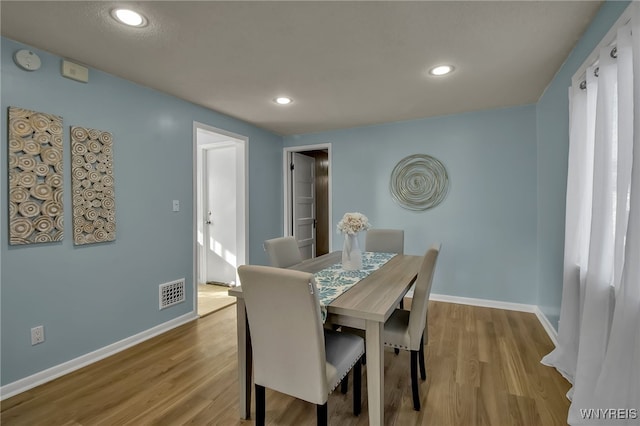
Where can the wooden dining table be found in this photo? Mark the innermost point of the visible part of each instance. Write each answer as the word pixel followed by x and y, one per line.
pixel 367 305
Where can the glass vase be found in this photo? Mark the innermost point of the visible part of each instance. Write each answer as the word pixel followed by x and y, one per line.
pixel 351 253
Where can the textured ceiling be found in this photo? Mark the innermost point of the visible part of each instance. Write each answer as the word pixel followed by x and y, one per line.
pixel 345 64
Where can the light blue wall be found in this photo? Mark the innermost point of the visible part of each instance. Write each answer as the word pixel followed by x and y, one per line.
pixel 487 223
pixel 90 296
pixel 501 225
pixel 553 149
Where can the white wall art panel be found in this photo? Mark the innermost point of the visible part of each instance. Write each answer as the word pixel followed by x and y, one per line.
pixel 35 177
pixel 94 210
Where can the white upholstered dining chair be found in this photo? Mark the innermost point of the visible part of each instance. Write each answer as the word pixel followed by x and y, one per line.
pixel 408 329
pixel 292 352
pixel 282 252
pixel 384 240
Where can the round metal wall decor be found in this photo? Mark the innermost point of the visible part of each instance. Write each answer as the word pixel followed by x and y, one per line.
pixel 419 182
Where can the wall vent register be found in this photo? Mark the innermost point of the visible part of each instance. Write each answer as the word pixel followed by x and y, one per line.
pixel 172 293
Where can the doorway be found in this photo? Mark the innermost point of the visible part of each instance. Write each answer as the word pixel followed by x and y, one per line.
pixel 220 228
pixel 307 197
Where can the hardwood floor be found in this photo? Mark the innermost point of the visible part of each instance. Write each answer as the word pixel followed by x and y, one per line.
pixel 212 298
pixel 483 368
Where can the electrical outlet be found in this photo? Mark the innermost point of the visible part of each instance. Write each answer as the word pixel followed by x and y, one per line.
pixel 37 335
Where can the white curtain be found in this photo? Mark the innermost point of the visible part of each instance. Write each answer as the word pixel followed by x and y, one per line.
pixel 599 331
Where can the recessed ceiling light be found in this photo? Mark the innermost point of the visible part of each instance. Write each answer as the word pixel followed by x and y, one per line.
pixel 283 100
pixel 129 17
pixel 441 70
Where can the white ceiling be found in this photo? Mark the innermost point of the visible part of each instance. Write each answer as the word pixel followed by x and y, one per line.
pixel 345 64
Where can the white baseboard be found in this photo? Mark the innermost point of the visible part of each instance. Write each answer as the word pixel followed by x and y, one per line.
pixel 49 374
pixel 544 321
pixel 551 331
pixel 486 303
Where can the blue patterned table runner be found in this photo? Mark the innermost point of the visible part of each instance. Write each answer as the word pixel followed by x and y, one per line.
pixel 333 280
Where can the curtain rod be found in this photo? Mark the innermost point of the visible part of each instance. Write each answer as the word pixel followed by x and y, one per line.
pixel 607 40
pixel 613 54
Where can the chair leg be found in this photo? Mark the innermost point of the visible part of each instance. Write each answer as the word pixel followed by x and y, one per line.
pixel 357 388
pixel 321 414
pixel 414 380
pixel 423 370
pixel 260 405
pixel 344 385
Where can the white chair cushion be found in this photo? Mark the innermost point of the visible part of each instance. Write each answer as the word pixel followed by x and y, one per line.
pixel 396 330
pixel 342 351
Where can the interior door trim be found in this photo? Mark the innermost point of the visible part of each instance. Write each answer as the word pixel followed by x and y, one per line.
pixel 243 244
pixel 286 184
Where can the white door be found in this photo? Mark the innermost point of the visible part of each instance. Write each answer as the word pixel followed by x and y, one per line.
pixel 219 214
pixel 220 208
pixel 304 205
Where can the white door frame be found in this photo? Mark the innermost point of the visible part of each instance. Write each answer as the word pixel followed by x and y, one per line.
pixel 304 167
pixel 287 186
pixel 243 244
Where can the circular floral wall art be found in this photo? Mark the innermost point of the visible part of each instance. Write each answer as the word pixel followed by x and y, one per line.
pixel 35 177
pixel 93 200
pixel 419 182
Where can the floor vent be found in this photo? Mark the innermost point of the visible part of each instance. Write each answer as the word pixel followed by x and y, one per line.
pixel 171 293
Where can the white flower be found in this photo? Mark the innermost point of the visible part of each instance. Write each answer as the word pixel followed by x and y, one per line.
pixel 352 223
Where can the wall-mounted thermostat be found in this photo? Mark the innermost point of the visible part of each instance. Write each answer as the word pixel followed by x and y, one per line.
pixel 27 60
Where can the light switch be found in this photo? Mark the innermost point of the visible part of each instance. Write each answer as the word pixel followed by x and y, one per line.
pixel 176 205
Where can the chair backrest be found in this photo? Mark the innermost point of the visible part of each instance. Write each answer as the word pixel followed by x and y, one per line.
pixel 282 252
pixel 385 241
pixel 286 329
pixel 420 301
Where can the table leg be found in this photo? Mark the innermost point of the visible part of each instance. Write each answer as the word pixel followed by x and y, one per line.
pixel 245 363
pixel 375 371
